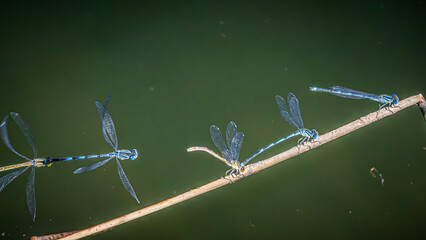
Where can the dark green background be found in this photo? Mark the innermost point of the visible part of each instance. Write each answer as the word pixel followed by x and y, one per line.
pixel 176 68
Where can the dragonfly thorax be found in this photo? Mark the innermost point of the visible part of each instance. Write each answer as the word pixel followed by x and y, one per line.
pixel 126 154
pixel 384 98
pixel 39 162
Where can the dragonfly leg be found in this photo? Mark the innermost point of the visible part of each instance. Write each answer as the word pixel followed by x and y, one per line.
pixel 396 106
pixel 312 141
pixel 303 140
pixel 377 115
pixel 228 175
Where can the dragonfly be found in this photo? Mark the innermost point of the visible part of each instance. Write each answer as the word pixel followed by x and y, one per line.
pixel 42 162
pixel 230 150
pixel 110 136
pixel 290 113
pixel 383 99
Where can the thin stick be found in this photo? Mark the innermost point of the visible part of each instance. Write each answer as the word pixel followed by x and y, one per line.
pixel 254 168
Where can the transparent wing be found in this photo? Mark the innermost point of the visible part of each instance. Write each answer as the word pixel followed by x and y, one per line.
pixel 350 93
pixel 236 144
pixel 31 199
pixel 91 167
pixel 26 130
pixel 108 129
pixel 295 110
pixel 125 181
pixel 5 180
pixel 5 137
pixel 231 130
pixel 217 138
pixel 288 118
pixel 227 154
pixel 281 103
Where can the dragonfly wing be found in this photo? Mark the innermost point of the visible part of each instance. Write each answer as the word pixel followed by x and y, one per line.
pixel 217 138
pixel 91 167
pixel 295 110
pixel 227 154
pixel 31 199
pixel 108 129
pixel 236 144
pixel 5 137
pixel 231 131
pixel 281 103
pixel 350 93
pixel 288 118
pixel 125 181
pixel 26 130
pixel 5 180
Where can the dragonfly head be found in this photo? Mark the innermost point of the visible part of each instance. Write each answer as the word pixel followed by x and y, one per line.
pixel 237 167
pixel 134 154
pixel 395 99
pixel 314 134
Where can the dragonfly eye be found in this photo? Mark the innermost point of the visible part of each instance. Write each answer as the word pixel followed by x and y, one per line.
pixel 242 169
pixel 395 99
pixel 134 154
pixel 314 134
pixel 48 160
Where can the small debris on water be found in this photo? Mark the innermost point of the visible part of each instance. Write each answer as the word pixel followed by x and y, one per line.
pixel 350 212
pixel 252 225
pixel 374 170
pixel 151 89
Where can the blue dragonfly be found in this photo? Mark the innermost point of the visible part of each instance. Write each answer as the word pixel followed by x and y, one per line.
pixel 383 99
pixel 290 113
pixel 108 129
pixel 110 136
pixel 230 150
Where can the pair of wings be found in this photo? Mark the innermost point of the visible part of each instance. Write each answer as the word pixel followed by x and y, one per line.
pixel 290 112
pixel 110 136
pixel 108 131
pixel 234 140
pixel 5 180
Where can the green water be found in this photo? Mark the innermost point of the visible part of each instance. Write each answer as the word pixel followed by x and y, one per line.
pixel 175 69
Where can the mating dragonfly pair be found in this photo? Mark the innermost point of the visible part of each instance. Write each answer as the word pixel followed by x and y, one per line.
pixel 291 113
pixel 110 136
